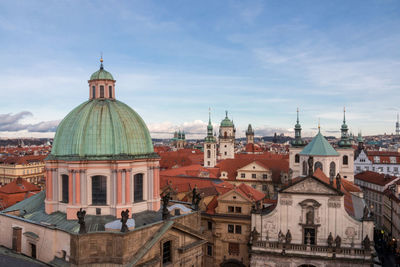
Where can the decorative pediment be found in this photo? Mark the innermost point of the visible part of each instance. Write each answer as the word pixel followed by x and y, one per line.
pixel 233 196
pixel 254 166
pixel 310 185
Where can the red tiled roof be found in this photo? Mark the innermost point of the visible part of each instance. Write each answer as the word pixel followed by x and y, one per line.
pixel 18 186
pixel 346 188
pixel 180 158
pixel 195 170
pixel 374 178
pixel 252 148
pixel 275 165
pixel 23 159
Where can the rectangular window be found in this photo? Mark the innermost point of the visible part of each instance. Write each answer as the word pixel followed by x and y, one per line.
pixel 231 228
pixel 102 91
pixel 93 91
pixel 138 187
pixel 254 186
pixel 209 250
pixel 242 175
pixel 166 253
pixel 265 176
pixel 99 190
pixel 110 92
pixel 65 188
pixel 253 175
pixel 309 236
pixel 264 187
pixel 231 209
pixel 238 229
pixel 233 249
pixel 238 209
pixel 209 225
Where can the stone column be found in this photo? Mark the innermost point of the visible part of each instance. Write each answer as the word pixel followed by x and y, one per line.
pixel 83 189
pixel 70 188
pixel 49 186
pixel 78 187
pixel 128 186
pixel 119 187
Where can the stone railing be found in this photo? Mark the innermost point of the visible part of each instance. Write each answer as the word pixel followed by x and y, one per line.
pixel 344 252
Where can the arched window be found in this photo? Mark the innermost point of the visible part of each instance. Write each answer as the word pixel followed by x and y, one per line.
pixel 65 188
pixel 297 158
pixel 102 91
pixel 304 167
pixel 345 160
pixel 208 154
pixel 93 91
pixel 138 187
pixel 110 95
pixel 99 190
pixel 225 134
pixel 317 165
pixel 332 169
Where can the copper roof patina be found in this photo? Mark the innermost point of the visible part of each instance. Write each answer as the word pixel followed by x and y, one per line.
pixel 101 129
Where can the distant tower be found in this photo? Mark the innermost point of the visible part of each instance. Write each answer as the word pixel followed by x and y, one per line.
pixel 250 135
pixel 227 138
pixel 296 147
pixel 360 141
pixel 346 151
pixel 398 125
pixel 210 146
pixel 181 142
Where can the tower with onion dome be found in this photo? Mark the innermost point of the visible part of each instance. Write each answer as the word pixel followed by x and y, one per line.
pixel 226 138
pixel 102 159
pixel 296 146
pixel 346 151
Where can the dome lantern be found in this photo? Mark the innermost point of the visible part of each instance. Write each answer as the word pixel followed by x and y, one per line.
pixel 101 84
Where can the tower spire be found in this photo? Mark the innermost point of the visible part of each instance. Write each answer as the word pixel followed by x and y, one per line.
pixel 101 61
pixel 297 115
pixel 209 116
pixel 319 125
pixel 344 115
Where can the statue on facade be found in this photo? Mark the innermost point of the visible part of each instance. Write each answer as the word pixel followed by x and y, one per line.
pixel 81 220
pixel 367 243
pixel 196 198
pixel 194 193
pixel 281 237
pixel 338 182
pixel 330 240
pixel 254 235
pixel 308 238
pixel 310 165
pixel 165 200
pixel 338 242
pixel 124 220
pixel 288 237
pixel 290 176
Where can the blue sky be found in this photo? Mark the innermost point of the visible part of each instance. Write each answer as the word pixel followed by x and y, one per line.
pixel 172 60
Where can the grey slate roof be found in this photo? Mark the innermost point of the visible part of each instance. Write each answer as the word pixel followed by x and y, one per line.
pixel 33 210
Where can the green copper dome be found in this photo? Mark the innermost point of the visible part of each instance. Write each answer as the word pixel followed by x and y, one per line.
pixel 226 122
pixel 102 129
pixel 319 146
pixel 101 74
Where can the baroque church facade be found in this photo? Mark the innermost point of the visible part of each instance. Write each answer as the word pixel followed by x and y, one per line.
pixel 330 160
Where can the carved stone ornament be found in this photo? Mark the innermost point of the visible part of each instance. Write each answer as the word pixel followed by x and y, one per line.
pixel 286 201
pixel 334 203
pixel 309 185
pixel 350 232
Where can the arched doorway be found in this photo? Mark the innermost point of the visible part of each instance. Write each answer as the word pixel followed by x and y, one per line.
pixel 232 263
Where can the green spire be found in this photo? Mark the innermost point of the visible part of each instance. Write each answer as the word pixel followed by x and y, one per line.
pixel 344 140
pixel 297 133
pixel 210 138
